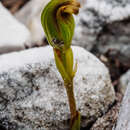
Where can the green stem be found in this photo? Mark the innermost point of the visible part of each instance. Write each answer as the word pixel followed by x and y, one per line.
pixel 64 63
pixel 75 115
pixel 71 98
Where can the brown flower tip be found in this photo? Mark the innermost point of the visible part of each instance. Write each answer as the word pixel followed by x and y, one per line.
pixel 69 7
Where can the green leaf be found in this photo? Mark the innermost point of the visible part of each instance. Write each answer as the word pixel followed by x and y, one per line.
pixel 60 67
pixel 69 62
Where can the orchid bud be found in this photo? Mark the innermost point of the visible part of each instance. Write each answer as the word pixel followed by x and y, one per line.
pixel 58 22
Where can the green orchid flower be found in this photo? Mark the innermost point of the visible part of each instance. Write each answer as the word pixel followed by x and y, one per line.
pixel 58 22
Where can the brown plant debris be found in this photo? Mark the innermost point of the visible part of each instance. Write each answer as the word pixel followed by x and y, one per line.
pixel 14 5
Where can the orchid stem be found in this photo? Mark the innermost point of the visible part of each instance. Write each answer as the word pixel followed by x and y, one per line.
pixel 71 98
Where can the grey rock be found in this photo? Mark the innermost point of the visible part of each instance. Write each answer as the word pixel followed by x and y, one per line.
pixel 14 36
pixel 30 15
pixel 124 81
pixel 123 122
pixel 32 95
pixel 103 25
pixel 116 42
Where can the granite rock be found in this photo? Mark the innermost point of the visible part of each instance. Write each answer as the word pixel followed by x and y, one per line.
pixel 124 81
pixel 123 122
pixel 30 15
pixel 103 25
pixel 32 95
pixel 14 36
